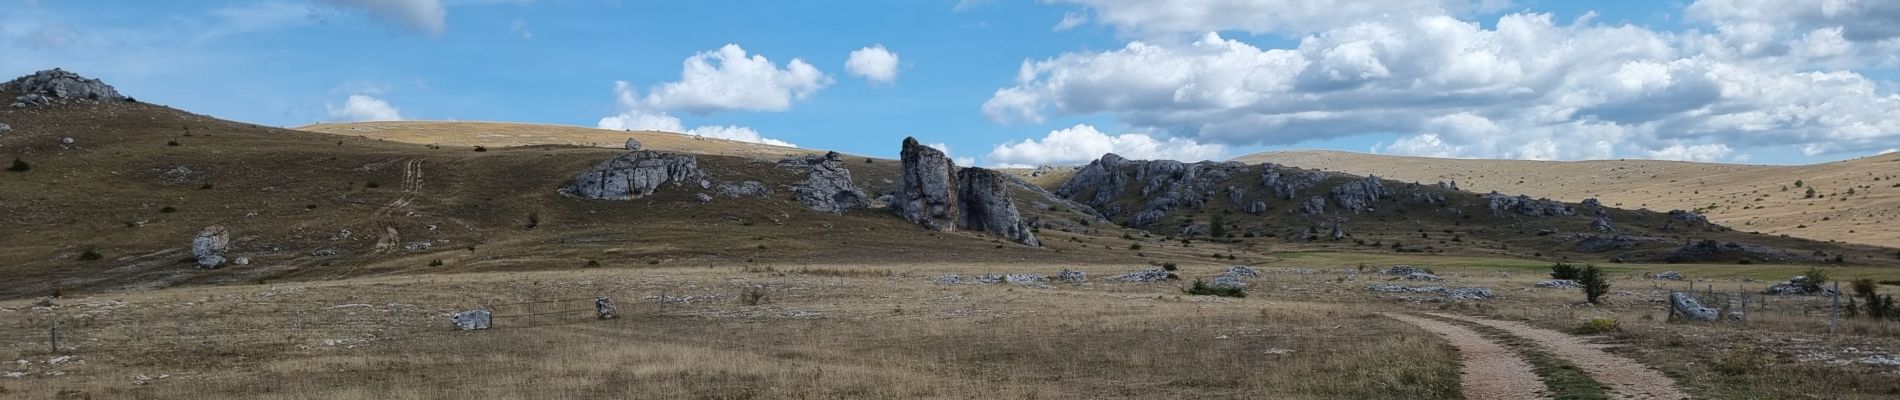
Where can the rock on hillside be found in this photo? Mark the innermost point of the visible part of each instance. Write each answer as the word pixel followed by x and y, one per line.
pixel 985 206
pixel 927 192
pixel 636 174
pixel 828 185
pixel 57 86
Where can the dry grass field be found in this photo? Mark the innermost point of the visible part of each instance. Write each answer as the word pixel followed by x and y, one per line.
pixel 1855 201
pixel 760 298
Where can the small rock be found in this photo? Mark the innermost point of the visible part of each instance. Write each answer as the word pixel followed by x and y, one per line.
pixel 1146 276
pixel 471 319
pixel 1560 284
pixel 1669 275
pixel 704 198
pixel 1687 306
pixel 633 144
pixel 1071 276
pixel 241 261
pixel 210 246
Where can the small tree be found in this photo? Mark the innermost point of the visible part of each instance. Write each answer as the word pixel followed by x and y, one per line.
pixel 1595 284
pixel 1878 306
pixel 20 166
pixel 1564 271
pixel 1810 193
pixel 1217 226
pixel 1815 277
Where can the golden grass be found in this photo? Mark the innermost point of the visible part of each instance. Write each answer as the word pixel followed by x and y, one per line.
pixel 1745 197
pixel 462 135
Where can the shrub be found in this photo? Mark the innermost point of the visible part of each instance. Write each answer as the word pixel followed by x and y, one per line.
pixel 534 219
pixel 593 263
pixel 1595 284
pixel 479 149
pixel 168 209
pixel 20 166
pixel 435 262
pixel 1170 267
pixel 90 255
pixel 1741 360
pixel 1202 289
pixel 1136 246
pixel 1816 277
pixel 173 143
pixel 754 295
pixel 1564 271
pixel 372 185
pixel 1599 325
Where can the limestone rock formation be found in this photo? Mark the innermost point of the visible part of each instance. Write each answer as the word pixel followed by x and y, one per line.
pixel 472 320
pixel 637 174
pixel 927 192
pixel 1501 204
pixel 1072 276
pixel 984 205
pixel 632 144
pixel 1599 244
pixel 210 246
pixel 57 86
pixel 1713 251
pixel 1313 206
pixel 1257 207
pixel 1359 195
pixel 1602 223
pixel 1687 306
pixel 1287 185
pixel 828 186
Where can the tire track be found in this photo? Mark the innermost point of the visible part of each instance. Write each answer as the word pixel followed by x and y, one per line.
pixel 411 188
pixel 1490 370
pixel 1626 378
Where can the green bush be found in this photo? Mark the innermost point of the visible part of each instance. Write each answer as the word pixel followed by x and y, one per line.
pixel 1564 271
pixel 1170 267
pixel 1816 277
pixel 1202 289
pixel 1599 325
pixel 90 255
pixel 20 166
pixel 1595 283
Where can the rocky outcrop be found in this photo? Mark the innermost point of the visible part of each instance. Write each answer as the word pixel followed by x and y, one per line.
pixel 57 86
pixel 1690 217
pixel 1097 184
pixel 210 246
pixel 472 320
pixel 1288 184
pixel 828 186
pixel 632 144
pixel 637 174
pixel 1713 251
pixel 984 205
pixel 1258 207
pixel 1164 186
pixel 1523 205
pixel 927 192
pixel 1313 206
pixel 1603 224
pixel 1359 195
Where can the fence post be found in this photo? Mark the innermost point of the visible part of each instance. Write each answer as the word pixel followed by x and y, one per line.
pixel 1834 320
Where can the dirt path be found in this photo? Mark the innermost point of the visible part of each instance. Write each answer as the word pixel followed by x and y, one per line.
pixel 1491 371
pixel 411 186
pixel 1626 378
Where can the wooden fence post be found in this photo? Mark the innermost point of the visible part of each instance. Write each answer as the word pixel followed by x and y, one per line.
pixel 1834 320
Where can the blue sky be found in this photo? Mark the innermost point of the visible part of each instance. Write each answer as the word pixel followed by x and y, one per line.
pixel 1758 81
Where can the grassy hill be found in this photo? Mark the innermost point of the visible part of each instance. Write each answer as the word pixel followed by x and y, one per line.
pixel 140 180
pixel 1752 198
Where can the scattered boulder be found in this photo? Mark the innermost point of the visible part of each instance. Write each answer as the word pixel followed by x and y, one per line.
pixel 1147 276
pixel 4 128
pixel 1687 306
pixel 1560 284
pixel 57 86
pixel 1027 279
pixel 210 245
pixel 927 192
pixel 744 189
pixel 703 198
pixel 1448 293
pixel 241 261
pixel 1422 276
pixel 1313 206
pixel 1405 270
pixel 1690 217
pixel 828 186
pixel 472 320
pixel 632 144
pixel 1339 232
pixel 1192 230
pixel 418 246
pixel 1257 207
pixel 1227 282
pixel 1467 293
pixel 1241 271
pixel 1669 275
pixel 1072 276
pixel 636 174
pixel 1799 285
pixel 986 206
pixel 1592 202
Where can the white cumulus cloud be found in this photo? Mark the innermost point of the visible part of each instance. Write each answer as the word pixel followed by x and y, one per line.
pixel 1260 16
pixel 359 108
pixel 425 16
pixel 1083 143
pixel 1523 87
pixel 873 63
pixel 730 79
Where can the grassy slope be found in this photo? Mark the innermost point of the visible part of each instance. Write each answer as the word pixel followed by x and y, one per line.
pixel 286 194
pixel 1747 197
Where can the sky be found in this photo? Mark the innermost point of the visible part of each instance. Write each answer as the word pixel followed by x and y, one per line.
pixel 1031 82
